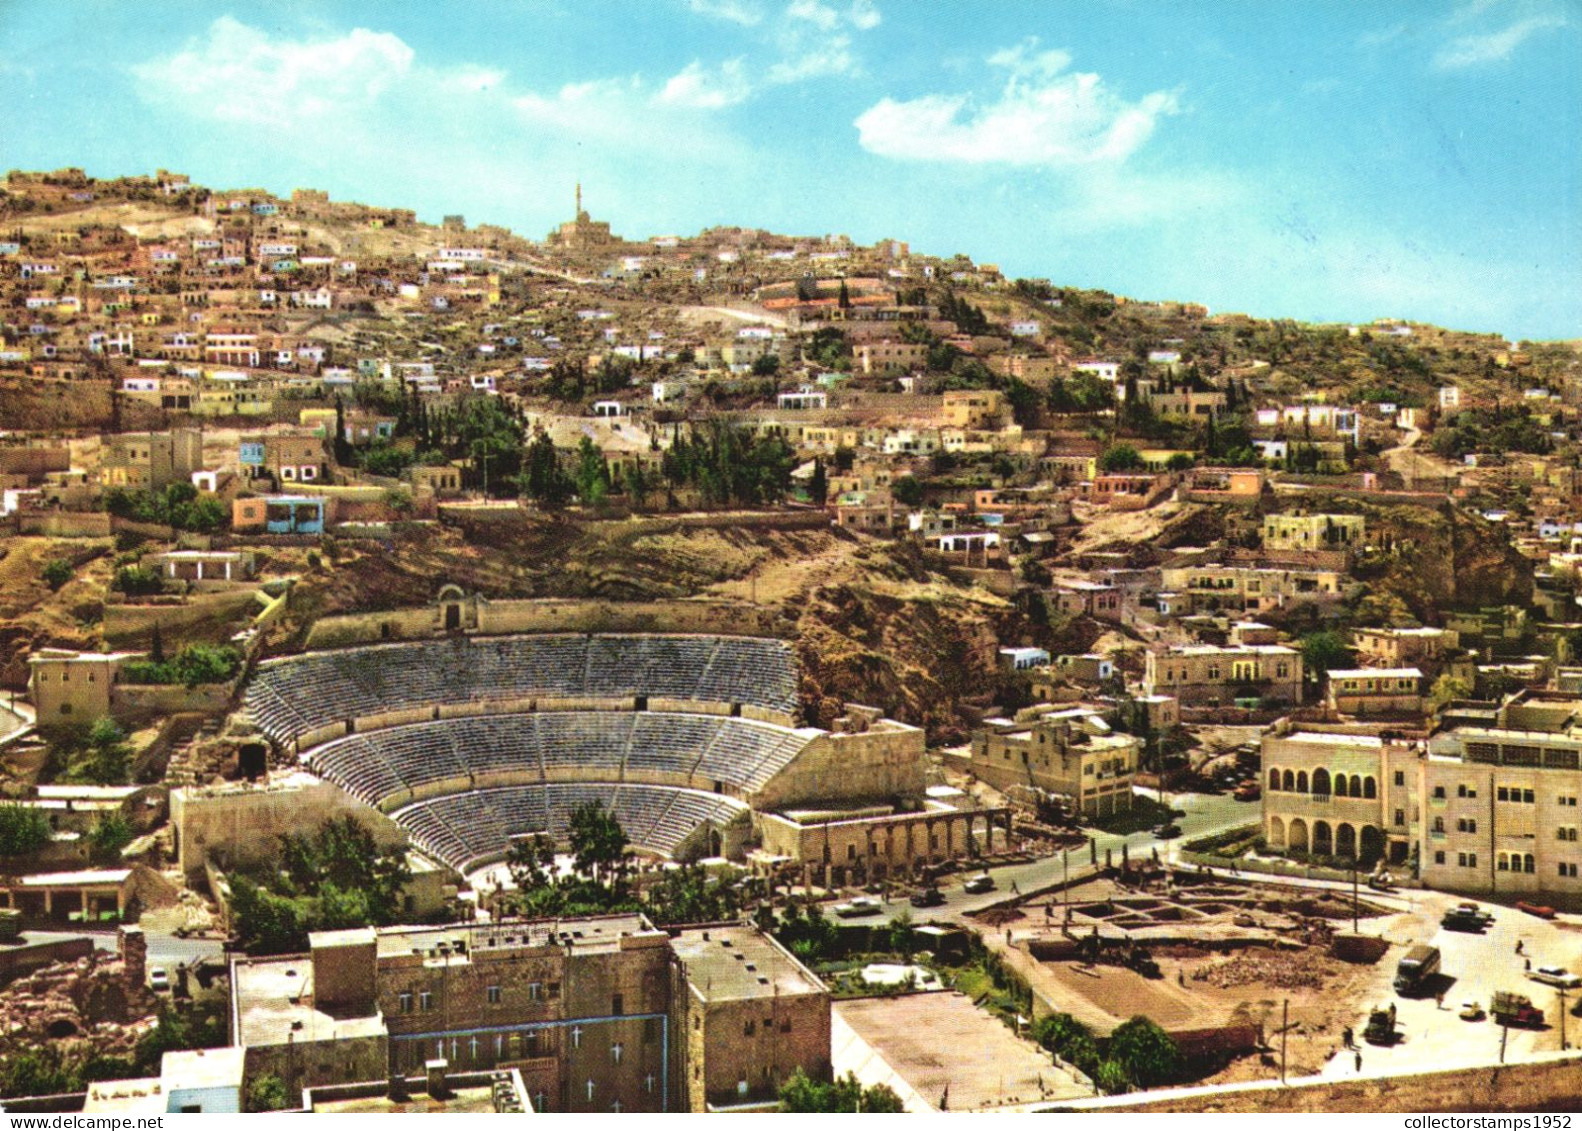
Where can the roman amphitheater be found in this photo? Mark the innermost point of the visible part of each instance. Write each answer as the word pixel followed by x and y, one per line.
pixel 461 743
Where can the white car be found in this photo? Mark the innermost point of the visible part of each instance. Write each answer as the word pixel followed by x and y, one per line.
pixel 862 905
pixel 158 980
pixel 1556 976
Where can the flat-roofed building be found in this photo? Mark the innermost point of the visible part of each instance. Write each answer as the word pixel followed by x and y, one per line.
pixel 1216 675
pixel 1347 796
pixel 1375 691
pixel 597 1014
pixel 1071 752
pixel 1313 531
pixel 751 1014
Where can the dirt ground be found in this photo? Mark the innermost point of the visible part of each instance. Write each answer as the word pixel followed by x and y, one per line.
pixel 942 1044
pixel 1199 987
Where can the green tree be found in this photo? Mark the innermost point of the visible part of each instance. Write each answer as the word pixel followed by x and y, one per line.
pixel 343 853
pixel 1120 457
pixel 688 895
pixel 56 572
pixel 531 860
pixel 544 480
pixel 107 758
pixel 109 835
pixel 1322 651
pixel 1446 688
pixel 267 1093
pixel 593 474
pixel 907 491
pixel 1146 1052
pixel 598 843
pixel 40 1071
pixel 766 366
pixel 818 485
pixel 138 581
pixel 1069 1039
pixel 266 923
pixel 1111 1078
pixel 1026 403
pixel 22 830
pixel 801 1093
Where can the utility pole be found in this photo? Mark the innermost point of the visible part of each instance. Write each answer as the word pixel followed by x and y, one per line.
pixel 1285 1027
pixel 1563 1045
pixel 1354 915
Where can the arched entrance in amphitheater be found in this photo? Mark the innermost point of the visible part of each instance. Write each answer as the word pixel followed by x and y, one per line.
pixel 457 611
pixel 1276 833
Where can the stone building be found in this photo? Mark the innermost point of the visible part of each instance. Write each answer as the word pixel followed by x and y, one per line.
pixel 75 686
pixel 1214 675
pixel 1313 531
pixel 1072 753
pixel 599 1014
pixel 150 461
pixel 1375 691
pixel 1347 795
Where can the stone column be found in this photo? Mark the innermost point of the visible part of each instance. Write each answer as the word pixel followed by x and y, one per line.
pixel 132 946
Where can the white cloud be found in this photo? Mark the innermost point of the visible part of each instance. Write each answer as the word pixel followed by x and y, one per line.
pixel 701 89
pixel 731 11
pixel 1494 47
pixel 832 57
pixel 1043 117
pixel 238 73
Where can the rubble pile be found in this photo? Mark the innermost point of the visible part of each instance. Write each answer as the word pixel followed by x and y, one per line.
pixel 1307 969
pixel 93 998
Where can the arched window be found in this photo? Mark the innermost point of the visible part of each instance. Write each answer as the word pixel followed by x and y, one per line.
pixel 1301 781
pixel 1274 780
pixel 1369 788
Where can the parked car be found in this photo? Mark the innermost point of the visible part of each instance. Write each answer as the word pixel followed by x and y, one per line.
pixel 1248 791
pixel 1471 1011
pixel 928 897
pixel 1556 976
pixel 1537 909
pixel 1457 919
pixel 1167 832
pixel 1467 907
pixel 856 908
pixel 159 980
pixel 982 883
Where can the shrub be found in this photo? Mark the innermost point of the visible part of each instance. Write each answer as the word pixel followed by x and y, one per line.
pixel 138 581
pixel 57 572
pixel 22 830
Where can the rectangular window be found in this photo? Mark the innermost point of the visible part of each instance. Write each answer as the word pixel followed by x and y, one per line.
pixel 425 1001
pixel 1439 857
pixel 616 1006
pixel 535 990
pixel 1569 871
pixel 494 995
pixel 1400 777
pixel 1400 816
pixel 406 1002
pixel 1528 797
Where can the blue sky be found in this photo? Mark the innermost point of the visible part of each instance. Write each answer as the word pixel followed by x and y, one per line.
pixel 1326 161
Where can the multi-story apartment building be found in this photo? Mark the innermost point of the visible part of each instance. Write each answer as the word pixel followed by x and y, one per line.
pixel 1313 531
pixel 1375 691
pixel 1397 647
pixel 1219 675
pixel 601 1014
pixel 1213 588
pixel 150 461
pixel 1488 806
pixel 1348 795
pixel 1071 752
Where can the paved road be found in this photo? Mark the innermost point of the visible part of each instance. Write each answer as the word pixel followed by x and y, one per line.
pixel 1204 814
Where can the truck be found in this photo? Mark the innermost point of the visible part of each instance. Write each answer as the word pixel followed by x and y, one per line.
pixel 1381 1027
pixel 1515 1009
pixel 1415 968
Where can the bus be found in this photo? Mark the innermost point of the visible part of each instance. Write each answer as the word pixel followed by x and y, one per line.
pixel 1416 967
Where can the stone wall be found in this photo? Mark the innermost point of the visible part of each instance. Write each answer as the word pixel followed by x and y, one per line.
pixel 882 764
pixel 498 618
pixel 244 825
pixel 1549 1083
pixel 132 626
